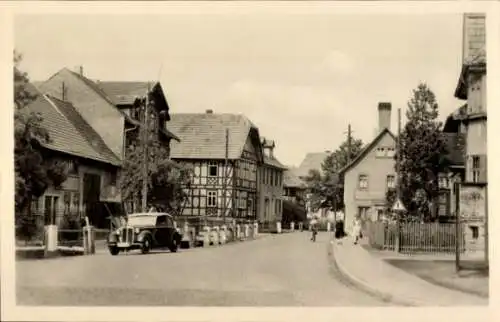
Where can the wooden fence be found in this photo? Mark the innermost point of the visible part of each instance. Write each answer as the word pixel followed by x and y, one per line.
pixel 415 237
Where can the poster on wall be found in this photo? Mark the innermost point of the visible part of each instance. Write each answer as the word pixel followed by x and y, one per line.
pixel 472 202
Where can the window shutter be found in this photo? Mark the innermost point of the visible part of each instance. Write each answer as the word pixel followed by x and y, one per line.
pixel 483 174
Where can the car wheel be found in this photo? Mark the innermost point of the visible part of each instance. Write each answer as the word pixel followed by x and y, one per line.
pixel 146 245
pixel 114 250
pixel 174 245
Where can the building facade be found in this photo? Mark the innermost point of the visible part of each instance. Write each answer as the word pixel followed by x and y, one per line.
pixel 225 153
pixel 270 190
pixel 92 168
pixel 294 187
pixel 472 89
pixel 115 110
pixel 368 177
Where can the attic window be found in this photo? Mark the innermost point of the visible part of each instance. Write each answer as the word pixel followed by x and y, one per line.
pixel 380 152
pixel 212 169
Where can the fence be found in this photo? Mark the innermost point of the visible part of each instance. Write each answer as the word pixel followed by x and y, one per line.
pixel 415 237
pixel 30 230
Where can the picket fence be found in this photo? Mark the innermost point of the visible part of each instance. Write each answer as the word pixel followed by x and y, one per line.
pixel 415 237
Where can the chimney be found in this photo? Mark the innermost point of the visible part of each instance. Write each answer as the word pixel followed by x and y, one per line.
pixel 384 116
pixel 209 112
pixel 81 70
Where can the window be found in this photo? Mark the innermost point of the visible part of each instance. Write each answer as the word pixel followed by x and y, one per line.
pixel 363 181
pixel 363 213
pixel 72 167
pixel 391 152
pixel 475 232
pixel 67 202
pixel 444 182
pixel 212 198
pixel 380 152
pixel 212 169
pixel 444 203
pixel 391 181
pixel 112 178
pixel 475 168
pixel 34 205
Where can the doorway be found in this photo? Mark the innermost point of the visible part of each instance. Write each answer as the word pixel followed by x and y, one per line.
pixel 50 213
pixel 91 197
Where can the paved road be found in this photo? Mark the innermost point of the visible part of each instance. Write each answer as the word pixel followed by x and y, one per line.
pixel 275 270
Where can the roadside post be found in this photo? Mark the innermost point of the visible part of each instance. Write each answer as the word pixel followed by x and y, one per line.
pixel 398 209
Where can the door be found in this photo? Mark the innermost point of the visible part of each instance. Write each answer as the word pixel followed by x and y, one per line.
pixel 50 214
pixel 266 210
pixel 163 230
pixel 91 197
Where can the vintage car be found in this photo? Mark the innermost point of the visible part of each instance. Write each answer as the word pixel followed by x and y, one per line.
pixel 145 231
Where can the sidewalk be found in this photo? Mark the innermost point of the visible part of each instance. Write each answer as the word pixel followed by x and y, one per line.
pixel 381 279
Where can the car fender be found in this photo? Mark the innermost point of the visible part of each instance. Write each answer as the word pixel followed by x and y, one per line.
pixel 143 234
pixel 112 237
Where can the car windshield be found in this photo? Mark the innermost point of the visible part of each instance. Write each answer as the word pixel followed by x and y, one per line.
pixel 140 221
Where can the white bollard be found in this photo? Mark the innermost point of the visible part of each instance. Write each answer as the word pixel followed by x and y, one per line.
pixel 214 236
pixel 247 231
pixel 223 234
pixel 50 238
pixel 206 236
pixel 238 232
pixel 278 227
pixel 328 226
pixel 292 226
pixel 186 235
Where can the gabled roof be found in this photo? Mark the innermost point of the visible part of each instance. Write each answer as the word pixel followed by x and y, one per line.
pixel 203 136
pixel 292 180
pixel 312 161
pixel 272 161
pixel 369 147
pixel 69 132
pixel 93 86
pixel 109 98
pixel 124 93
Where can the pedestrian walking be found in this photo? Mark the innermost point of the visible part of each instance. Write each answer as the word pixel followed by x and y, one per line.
pixel 356 230
pixel 314 230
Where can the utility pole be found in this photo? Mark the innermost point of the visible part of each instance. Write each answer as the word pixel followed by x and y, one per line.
pixel 398 181
pixel 145 156
pixel 349 152
pixel 224 190
pixel 349 137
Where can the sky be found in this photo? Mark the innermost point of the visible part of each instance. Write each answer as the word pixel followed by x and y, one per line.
pixel 300 78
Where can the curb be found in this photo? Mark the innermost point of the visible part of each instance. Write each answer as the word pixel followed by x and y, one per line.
pixel 34 254
pixel 365 287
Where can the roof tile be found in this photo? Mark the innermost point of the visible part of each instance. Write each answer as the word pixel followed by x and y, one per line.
pixel 203 136
pixel 69 132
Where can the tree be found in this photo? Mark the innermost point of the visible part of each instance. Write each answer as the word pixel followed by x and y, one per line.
pixel 167 179
pixel 327 186
pixel 423 154
pixel 34 170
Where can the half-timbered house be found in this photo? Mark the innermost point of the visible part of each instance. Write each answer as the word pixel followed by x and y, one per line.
pixel 225 153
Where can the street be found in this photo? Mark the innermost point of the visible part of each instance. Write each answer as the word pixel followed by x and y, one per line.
pixel 274 270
